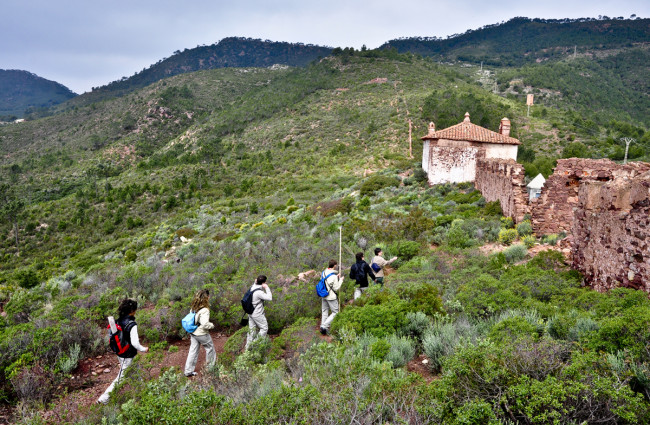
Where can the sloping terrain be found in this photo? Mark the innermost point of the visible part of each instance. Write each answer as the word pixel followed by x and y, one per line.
pixel 22 91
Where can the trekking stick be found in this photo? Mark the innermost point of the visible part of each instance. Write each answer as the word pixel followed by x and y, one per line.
pixel 340 259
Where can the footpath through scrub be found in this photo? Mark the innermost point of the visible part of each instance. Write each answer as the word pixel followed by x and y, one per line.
pixel 91 377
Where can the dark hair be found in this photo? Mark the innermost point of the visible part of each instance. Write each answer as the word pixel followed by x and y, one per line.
pixel 332 263
pixel 260 279
pixel 377 251
pixel 359 256
pixel 127 307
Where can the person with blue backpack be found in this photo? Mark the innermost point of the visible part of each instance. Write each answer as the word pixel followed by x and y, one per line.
pixel 200 337
pixel 126 342
pixel 327 288
pixel 377 265
pixel 259 293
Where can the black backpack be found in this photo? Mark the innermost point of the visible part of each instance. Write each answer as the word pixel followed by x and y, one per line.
pixel 120 341
pixel 247 301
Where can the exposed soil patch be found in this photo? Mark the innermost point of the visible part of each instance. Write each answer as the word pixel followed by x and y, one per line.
pixel 422 369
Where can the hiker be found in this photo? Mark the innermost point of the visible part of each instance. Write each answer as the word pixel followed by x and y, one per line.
pixel 377 265
pixel 360 272
pixel 257 319
pixel 126 320
pixel 200 337
pixel 329 303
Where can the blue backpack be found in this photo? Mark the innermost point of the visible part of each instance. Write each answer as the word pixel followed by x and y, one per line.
pixel 189 322
pixel 375 267
pixel 321 286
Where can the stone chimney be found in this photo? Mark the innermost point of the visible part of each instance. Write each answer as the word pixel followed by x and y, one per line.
pixel 466 117
pixel 504 127
pixel 432 128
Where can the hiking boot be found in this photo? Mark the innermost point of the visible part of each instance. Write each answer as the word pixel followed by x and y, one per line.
pixel 189 375
pixel 323 331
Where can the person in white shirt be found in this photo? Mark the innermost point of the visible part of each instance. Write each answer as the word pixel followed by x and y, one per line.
pixel 330 303
pixel 126 320
pixel 201 336
pixel 380 261
pixel 257 320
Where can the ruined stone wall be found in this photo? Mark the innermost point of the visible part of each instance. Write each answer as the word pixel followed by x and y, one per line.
pixel 553 211
pixel 503 180
pixel 611 233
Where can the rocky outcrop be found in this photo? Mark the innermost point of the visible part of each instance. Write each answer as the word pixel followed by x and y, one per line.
pixel 611 233
pixel 503 180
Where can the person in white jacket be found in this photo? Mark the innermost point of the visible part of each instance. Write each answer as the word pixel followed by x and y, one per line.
pixel 200 337
pixel 330 303
pixel 126 320
pixel 257 320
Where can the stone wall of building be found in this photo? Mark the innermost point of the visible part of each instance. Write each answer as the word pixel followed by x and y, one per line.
pixel 553 211
pixel 611 233
pixel 451 164
pixel 503 180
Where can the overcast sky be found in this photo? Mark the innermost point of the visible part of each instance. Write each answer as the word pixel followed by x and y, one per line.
pixel 88 43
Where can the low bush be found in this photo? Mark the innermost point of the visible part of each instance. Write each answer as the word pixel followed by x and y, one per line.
pixel 402 350
pixel 524 228
pixel 515 253
pixel 507 236
pixel 405 250
pixel 377 182
pixel 528 241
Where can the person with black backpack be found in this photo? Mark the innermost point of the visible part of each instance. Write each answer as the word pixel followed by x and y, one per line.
pixel 360 272
pixel 127 340
pixel 260 292
pixel 332 282
pixel 201 336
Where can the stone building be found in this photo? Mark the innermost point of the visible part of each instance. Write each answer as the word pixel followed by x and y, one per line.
pixel 450 155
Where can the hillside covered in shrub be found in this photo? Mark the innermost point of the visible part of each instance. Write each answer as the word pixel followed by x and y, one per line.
pixel 208 179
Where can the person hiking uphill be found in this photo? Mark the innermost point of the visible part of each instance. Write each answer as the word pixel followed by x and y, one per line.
pixel 330 303
pixel 360 272
pixel 257 319
pixel 126 321
pixel 377 265
pixel 200 337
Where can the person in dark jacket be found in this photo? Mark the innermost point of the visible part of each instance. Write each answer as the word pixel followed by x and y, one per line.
pixel 360 272
pixel 126 320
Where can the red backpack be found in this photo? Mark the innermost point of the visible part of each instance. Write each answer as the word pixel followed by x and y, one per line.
pixel 120 341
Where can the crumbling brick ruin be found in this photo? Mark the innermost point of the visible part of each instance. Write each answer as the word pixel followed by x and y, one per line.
pixel 503 181
pixel 611 233
pixel 553 212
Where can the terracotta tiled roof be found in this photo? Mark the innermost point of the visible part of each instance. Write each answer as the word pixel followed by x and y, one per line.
pixel 471 132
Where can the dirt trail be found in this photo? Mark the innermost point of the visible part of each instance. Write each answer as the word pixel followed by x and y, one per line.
pixel 89 380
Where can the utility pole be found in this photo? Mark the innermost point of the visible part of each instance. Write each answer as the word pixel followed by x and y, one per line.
pixel 410 142
pixel 627 141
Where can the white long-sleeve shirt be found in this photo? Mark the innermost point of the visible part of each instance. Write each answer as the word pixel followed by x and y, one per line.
pixel 333 283
pixel 135 340
pixel 258 297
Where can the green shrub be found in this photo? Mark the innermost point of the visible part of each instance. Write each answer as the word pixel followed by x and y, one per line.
pixel 405 250
pixel 507 236
pixel 524 228
pixel 529 241
pixel 515 253
pixel 379 349
pixel 416 325
pixel 186 232
pixel 402 350
pixel 551 239
pixel 379 320
pixel 507 222
pixel 27 278
pixel 377 182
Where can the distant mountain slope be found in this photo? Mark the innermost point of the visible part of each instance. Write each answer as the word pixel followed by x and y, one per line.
pixel 20 90
pixel 232 52
pixel 523 40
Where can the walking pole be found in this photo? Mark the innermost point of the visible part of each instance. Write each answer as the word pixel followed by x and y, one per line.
pixel 340 264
